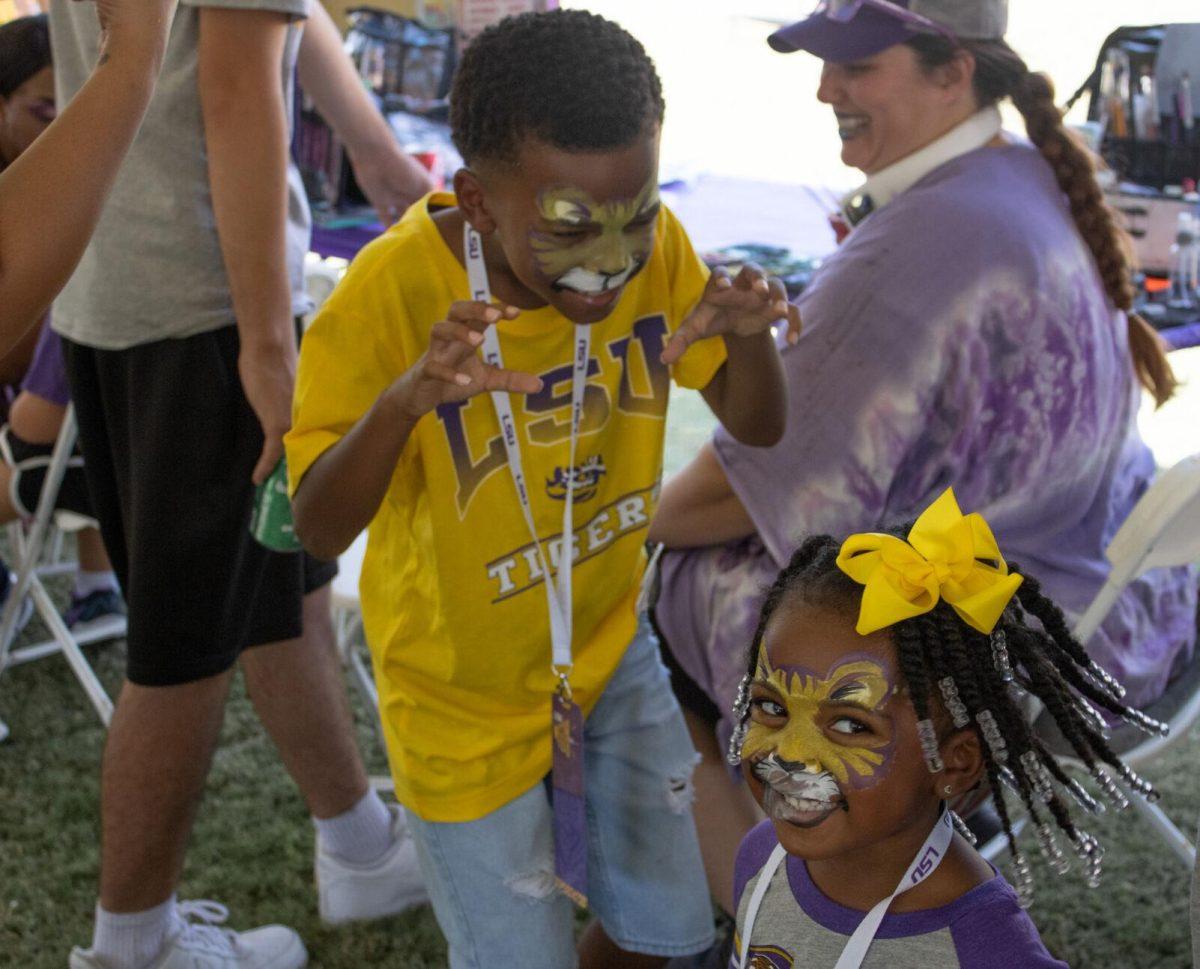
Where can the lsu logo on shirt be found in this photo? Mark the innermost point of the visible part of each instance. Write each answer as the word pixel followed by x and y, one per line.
pixel 583 479
pixel 643 390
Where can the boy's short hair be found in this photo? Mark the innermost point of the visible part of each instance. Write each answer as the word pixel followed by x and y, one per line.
pixel 567 77
pixel 24 50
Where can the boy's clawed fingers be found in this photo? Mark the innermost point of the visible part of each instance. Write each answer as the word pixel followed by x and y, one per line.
pixel 741 305
pixel 794 323
pixel 454 358
pixel 480 315
pixel 695 327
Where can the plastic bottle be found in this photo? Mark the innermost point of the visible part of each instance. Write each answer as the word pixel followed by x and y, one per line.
pixel 1181 289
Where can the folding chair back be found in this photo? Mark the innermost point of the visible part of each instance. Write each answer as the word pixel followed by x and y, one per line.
pixel 37 545
pixel 1163 530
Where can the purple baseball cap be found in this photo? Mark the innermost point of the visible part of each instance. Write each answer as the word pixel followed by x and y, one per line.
pixel 850 30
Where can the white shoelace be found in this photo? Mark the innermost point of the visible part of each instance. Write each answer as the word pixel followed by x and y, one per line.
pixel 202 919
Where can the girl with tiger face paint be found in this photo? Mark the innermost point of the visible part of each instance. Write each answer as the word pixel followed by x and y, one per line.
pixel 831 750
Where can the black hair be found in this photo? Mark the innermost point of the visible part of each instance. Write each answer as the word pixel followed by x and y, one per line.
pixel 947 665
pixel 1001 73
pixel 24 50
pixel 567 77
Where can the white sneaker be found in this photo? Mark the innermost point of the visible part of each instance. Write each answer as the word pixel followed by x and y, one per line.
pixel 393 883
pixel 200 944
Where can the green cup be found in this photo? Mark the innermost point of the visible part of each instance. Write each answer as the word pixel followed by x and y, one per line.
pixel 271 523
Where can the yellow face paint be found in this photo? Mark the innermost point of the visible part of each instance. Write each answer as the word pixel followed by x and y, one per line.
pixel 589 246
pixel 803 738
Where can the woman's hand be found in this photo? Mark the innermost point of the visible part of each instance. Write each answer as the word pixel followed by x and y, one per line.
pixel 748 304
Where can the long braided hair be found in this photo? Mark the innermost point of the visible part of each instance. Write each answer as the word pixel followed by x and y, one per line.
pixel 958 675
pixel 1001 73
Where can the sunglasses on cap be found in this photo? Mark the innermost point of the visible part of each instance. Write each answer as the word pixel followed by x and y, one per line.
pixel 843 11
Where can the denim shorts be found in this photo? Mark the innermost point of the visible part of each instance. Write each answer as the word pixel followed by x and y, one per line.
pixel 492 880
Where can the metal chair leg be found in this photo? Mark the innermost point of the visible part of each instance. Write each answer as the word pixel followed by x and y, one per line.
pixel 1165 828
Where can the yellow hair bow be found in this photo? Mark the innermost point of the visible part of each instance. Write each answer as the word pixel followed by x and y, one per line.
pixel 948 556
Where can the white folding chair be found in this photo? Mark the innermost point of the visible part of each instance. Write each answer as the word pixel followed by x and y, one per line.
pixel 37 545
pixel 1162 531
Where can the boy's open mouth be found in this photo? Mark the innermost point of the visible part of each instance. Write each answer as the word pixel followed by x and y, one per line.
pixel 600 288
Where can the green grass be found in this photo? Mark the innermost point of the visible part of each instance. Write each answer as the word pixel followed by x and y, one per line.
pixel 252 848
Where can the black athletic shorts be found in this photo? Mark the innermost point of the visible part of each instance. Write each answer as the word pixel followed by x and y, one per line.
pixel 169 442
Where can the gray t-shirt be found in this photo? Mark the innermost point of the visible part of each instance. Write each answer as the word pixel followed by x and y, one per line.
pixel 798 924
pixel 154 268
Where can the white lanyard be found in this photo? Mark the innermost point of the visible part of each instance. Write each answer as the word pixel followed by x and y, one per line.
pixel 923 865
pixel 558 591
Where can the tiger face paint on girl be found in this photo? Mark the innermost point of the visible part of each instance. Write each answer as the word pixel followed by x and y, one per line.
pixel 592 247
pixel 815 723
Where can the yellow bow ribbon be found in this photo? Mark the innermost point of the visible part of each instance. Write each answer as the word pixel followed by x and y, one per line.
pixel 948 556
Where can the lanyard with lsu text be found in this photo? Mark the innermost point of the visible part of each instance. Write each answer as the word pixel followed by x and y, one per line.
pixel 570 821
pixel 923 865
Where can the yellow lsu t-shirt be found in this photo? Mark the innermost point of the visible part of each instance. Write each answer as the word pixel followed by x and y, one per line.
pixel 453 600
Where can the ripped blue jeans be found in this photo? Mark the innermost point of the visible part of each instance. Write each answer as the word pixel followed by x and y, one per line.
pixel 492 880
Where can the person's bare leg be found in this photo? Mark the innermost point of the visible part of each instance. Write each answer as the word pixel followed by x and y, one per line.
pixel 156 759
pixel 598 951
pixel 89 546
pixel 724 810
pixel 35 419
pixel 297 691
pixel 8 512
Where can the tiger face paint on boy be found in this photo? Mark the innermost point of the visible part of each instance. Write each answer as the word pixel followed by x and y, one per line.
pixel 805 719
pixel 592 247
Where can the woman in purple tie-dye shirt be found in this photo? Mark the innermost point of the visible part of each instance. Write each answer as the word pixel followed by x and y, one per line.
pixel 971 331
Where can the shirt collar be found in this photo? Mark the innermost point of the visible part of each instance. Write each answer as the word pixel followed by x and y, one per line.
pixel 885 185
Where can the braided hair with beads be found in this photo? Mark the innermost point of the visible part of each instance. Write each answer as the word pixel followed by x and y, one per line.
pixel 979 680
pixel 1001 73
pixel 569 78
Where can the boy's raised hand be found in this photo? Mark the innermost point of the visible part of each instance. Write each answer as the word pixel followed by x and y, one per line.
pixel 744 305
pixel 452 369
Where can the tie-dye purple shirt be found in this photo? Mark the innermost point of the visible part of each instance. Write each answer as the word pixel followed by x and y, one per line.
pixel 960 336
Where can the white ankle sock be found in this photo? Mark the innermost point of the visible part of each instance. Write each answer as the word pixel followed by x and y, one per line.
pixel 359 835
pixel 88 582
pixel 131 940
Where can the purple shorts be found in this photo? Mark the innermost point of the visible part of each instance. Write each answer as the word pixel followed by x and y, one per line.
pixel 47 374
pixel 706 612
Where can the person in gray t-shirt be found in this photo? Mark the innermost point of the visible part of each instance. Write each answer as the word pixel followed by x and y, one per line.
pixel 179 337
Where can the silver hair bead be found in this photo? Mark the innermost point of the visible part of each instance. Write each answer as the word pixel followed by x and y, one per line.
pixel 1010 780
pixel 741 710
pixel 1105 679
pixel 1092 853
pixel 992 736
pixel 929 746
pixel 1114 793
pixel 1083 798
pixel 1048 846
pixel 734 754
pixel 1145 723
pixel 1023 879
pixel 1038 775
pixel 1093 716
pixel 1139 784
pixel 1000 658
pixel 954 704
pixel 961 827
